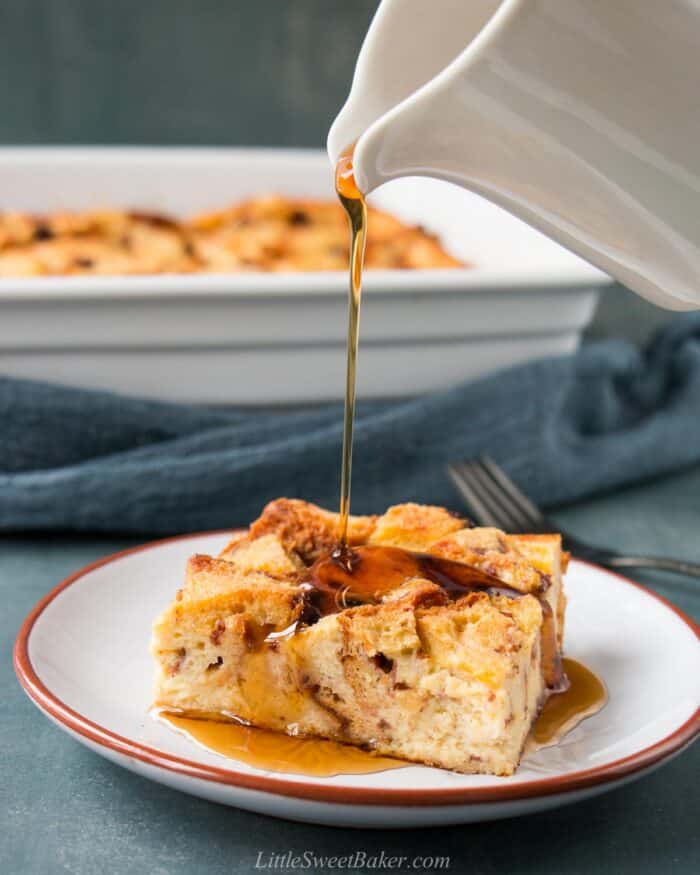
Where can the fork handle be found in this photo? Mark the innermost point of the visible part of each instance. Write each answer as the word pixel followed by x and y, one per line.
pixel 611 559
pixel 677 566
pixel 616 560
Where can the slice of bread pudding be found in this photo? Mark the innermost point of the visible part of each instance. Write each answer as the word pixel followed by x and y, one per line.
pixel 426 639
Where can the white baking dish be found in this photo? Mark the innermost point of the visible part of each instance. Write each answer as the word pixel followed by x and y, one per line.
pixel 257 337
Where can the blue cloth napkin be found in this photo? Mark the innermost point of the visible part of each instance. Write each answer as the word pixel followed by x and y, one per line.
pixel 563 428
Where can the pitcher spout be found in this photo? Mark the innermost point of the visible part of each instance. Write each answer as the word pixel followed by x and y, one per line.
pixel 408 43
pixel 551 111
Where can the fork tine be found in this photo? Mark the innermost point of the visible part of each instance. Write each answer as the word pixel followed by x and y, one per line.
pixel 532 516
pixel 496 511
pixel 464 487
pixel 508 515
pixel 491 500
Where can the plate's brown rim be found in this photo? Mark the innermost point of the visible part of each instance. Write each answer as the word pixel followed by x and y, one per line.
pixel 72 720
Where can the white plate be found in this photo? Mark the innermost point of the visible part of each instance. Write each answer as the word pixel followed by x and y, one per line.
pixel 526 297
pixel 82 656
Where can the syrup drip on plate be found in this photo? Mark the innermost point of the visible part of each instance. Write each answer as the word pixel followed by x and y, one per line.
pixel 562 712
pixel 277 752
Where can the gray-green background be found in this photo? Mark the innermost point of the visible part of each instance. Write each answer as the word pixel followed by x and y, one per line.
pixel 255 72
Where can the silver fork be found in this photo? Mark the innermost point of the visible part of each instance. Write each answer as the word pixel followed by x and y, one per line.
pixel 496 501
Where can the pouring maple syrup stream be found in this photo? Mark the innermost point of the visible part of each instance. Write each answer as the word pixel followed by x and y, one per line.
pixel 354 204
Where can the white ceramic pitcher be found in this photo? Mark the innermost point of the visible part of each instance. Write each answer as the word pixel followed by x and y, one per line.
pixel 581 117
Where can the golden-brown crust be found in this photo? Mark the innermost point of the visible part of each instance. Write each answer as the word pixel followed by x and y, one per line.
pixel 544 553
pixel 414 526
pixel 235 539
pixel 307 529
pixel 265 553
pixel 491 551
pixel 270 233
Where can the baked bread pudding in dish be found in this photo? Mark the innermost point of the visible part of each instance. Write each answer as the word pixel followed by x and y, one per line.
pixel 104 242
pixel 423 638
pixel 288 234
pixel 261 234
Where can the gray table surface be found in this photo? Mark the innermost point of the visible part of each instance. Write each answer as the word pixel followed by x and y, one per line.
pixel 65 809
